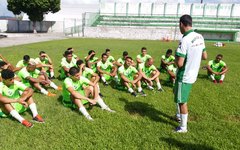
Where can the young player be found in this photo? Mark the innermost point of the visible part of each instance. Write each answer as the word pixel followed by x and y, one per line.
pixel 66 64
pixel 91 60
pixel 141 58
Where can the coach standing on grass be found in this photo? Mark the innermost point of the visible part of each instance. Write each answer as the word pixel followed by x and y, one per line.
pixel 189 53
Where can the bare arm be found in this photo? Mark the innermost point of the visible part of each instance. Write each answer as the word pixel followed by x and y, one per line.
pixel 77 95
pixel 6 100
pixel 179 61
pixel 204 55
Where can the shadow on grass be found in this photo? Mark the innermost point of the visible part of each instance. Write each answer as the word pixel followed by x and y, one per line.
pixel 203 76
pixel 186 146
pixel 144 109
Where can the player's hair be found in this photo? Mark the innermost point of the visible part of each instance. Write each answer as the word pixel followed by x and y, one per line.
pixel 129 58
pixel 67 53
pixel 169 51
pixel 2 63
pixel 79 62
pixel 70 48
pixel 220 55
pixel 73 71
pixel 186 20
pixel 104 54
pixel 125 53
pixel 143 48
pixel 7 74
pixel 41 52
pixel 107 50
pixel 90 52
pixel 26 58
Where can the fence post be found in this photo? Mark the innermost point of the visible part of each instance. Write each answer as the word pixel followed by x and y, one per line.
pixel 83 23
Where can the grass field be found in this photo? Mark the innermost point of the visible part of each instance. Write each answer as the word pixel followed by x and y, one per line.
pixel 140 123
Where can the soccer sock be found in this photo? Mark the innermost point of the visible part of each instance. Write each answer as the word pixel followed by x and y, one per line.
pixel 53 85
pixel 178 111
pixel 98 88
pixel 16 115
pixel 51 74
pixel 212 77
pixel 103 79
pixel 139 89
pixel 184 119
pixel 159 85
pixel 44 91
pixel 130 90
pixel 20 92
pixel 33 109
pixel 116 78
pixel 222 77
pixel 84 111
pixel 101 103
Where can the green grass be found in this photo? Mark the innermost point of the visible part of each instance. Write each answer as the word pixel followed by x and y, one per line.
pixel 140 123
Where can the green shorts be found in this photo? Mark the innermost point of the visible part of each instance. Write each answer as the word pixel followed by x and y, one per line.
pixel 69 103
pixel 18 107
pixel 181 92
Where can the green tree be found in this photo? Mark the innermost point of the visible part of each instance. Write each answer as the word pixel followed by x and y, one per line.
pixel 35 9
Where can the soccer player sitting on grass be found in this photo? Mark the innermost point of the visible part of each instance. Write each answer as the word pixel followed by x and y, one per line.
pixel 168 64
pixel 45 64
pixel 70 49
pixel 32 77
pixel 121 61
pixel 9 91
pixel 23 63
pixel 106 69
pixel 110 58
pixel 89 74
pixel 149 74
pixel 91 60
pixel 142 58
pixel 130 77
pixel 4 65
pixel 66 64
pixel 75 95
pixel 217 69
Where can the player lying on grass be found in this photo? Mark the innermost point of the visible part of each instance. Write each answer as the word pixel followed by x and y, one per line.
pixel 107 70
pixel 91 60
pixel 32 77
pixel 89 74
pixel 45 64
pixel 9 91
pixel 130 77
pixel 149 74
pixel 76 95
pixel 217 69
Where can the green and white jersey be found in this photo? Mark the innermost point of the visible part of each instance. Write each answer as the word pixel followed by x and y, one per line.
pixel 169 59
pixel 22 64
pixel 191 48
pixel 94 66
pixel 143 58
pixel 107 66
pixel 76 85
pixel 110 59
pixel 121 61
pixel 87 73
pixel 44 61
pixel 128 72
pixel 217 67
pixel 68 65
pixel 13 90
pixel 147 70
pixel 23 74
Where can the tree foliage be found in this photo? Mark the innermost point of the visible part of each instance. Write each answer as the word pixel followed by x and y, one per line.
pixel 35 9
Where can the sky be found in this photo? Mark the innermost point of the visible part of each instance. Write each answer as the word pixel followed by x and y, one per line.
pixel 4 11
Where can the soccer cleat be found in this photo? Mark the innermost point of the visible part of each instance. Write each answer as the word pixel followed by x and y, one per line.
pixel 220 81
pixel 180 130
pixel 142 93
pixel 89 118
pixel 178 119
pixel 59 88
pixel 160 90
pixel 100 94
pixel 150 88
pixel 51 94
pixel 27 124
pixel 110 110
pixel 105 84
pixel 134 94
pixel 214 81
pixel 38 119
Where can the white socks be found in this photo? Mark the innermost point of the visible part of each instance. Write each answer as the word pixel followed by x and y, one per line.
pixel 178 111
pixel 85 113
pixel 139 89
pixel 212 77
pixel 130 90
pixel 44 91
pixel 101 103
pixel 184 119
pixel 103 79
pixel 53 85
pixel 33 109
pixel 16 115
pixel 159 85
pixel 222 77
pixel 51 74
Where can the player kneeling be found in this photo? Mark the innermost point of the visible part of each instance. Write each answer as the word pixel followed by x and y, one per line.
pixel 9 91
pixel 74 94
